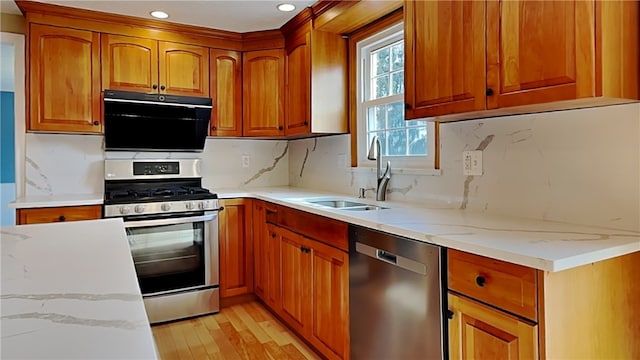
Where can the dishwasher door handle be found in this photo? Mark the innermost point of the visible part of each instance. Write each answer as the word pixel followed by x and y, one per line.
pixel 391 258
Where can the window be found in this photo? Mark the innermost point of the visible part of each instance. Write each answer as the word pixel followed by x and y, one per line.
pixel 380 102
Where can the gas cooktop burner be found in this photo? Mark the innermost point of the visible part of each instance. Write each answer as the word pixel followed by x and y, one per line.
pixel 159 194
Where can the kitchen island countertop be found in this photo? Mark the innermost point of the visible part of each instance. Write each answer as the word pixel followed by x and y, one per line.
pixel 69 291
pixel 544 245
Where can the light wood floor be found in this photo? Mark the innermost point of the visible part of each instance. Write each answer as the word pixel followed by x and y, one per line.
pixel 243 331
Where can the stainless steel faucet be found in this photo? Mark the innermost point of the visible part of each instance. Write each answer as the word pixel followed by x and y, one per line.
pixel 383 178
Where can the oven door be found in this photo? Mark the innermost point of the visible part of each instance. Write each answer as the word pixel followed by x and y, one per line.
pixel 176 253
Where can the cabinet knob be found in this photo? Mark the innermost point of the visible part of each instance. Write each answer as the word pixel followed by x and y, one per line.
pixel 280 127
pixel 214 128
pixel 273 235
pixel 154 86
pixel 407 106
pixel 480 280
pixel 96 123
pixel 489 92
pixel 62 218
pixel 162 87
pixel 306 123
pixel 449 314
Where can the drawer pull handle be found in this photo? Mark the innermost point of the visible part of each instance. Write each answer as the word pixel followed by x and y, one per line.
pixel 62 218
pixel 480 280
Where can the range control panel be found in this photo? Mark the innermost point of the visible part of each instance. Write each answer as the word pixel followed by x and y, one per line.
pixel 156 168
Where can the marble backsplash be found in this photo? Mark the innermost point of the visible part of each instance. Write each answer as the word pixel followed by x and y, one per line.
pixel 580 166
pixel 74 164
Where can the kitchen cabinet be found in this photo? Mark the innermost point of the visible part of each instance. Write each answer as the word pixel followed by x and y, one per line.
pixel 266 256
pixel 478 331
pixel 316 81
pixel 518 56
pixel 263 92
pixel 145 65
pixel 504 310
pixel 63 93
pixel 235 247
pixel 58 214
pixel 314 278
pixel 226 91
pixel 444 57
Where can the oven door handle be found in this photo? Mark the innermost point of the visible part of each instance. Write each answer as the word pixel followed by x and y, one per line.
pixel 173 221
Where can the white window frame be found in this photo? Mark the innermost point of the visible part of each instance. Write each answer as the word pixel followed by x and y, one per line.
pixel 364 49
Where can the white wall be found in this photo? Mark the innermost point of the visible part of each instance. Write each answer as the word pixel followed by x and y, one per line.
pixel 579 166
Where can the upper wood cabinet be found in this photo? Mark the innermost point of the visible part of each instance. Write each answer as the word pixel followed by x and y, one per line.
pixel 316 82
pixel 263 92
pixel 145 65
pixel 467 57
pixel 64 80
pixel 235 247
pixel 444 57
pixel 225 87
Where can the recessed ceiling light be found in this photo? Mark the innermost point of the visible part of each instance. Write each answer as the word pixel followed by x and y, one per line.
pixel 159 14
pixel 286 7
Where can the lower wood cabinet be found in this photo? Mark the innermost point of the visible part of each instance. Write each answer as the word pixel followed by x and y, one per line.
pixel 236 248
pixel 58 214
pixel 477 331
pixel 302 279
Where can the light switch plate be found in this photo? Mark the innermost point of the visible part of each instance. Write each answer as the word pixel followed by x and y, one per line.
pixel 246 161
pixel 472 163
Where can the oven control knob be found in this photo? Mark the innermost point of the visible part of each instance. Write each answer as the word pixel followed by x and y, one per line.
pixel 190 205
pixel 165 207
pixel 124 210
pixel 203 205
pixel 139 208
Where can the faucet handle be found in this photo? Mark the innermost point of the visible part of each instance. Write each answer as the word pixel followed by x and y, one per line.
pixel 387 171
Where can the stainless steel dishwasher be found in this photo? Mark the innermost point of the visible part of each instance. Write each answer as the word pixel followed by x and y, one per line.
pixel 396 301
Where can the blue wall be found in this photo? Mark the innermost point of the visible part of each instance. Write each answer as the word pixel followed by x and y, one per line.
pixel 7 157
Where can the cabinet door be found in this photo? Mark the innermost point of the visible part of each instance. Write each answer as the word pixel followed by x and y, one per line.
pixel 58 214
pixel 226 92
pixel 477 331
pixel 260 235
pixel 271 265
pixel 298 88
pixel 295 270
pixel 184 69
pixel 263 93
pixel 64 80
pixel 445 57
pixel 531 51
pixel 129 63
pixel 330 301
pixel 236 248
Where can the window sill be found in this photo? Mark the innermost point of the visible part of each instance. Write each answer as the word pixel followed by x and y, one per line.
pixel 394 171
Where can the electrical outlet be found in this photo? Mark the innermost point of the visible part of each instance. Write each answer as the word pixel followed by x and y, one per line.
pixel 246 161
pixel 472 163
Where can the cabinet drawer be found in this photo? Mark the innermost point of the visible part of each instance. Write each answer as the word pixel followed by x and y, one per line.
pixel 504 285
pixel 329 231
pixel 58 214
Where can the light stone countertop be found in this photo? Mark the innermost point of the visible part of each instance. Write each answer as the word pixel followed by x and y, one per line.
pixel 37 201
pixel 69 291
pixel 544 245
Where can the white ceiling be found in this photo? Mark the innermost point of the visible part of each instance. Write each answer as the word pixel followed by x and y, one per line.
pixel 238 16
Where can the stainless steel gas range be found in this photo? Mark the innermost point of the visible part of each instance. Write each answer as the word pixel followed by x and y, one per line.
pixel 172 227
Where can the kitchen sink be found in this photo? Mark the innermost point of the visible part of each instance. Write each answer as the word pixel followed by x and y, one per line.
pixel 366 208
pixel 345 204
pixel 337 203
